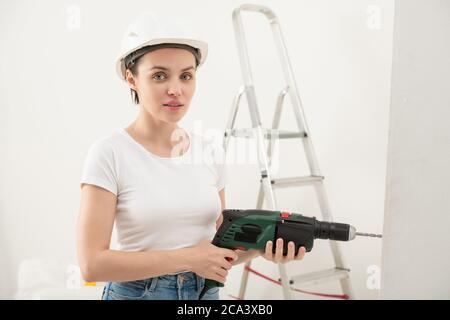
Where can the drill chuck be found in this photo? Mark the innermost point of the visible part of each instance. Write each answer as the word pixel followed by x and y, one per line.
pixel 334 231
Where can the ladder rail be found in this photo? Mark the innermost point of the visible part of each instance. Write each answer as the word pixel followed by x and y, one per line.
pixel 232 117
pixel 276 121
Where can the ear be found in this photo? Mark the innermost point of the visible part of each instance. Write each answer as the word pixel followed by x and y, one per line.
pixel 130 79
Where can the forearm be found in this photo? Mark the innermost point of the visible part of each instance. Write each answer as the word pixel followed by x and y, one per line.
pixel 119 266
pixel 245 256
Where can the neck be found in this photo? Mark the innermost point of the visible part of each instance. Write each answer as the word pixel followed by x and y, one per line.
pixel 153 130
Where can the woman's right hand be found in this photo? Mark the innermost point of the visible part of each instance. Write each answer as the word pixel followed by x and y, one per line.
pixel 209 261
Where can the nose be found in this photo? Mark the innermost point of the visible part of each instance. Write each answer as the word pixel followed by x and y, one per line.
pixel 174 89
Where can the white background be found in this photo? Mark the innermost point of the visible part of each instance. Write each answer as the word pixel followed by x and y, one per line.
pixel 59 92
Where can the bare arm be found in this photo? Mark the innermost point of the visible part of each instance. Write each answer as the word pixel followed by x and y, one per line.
pixel 99 263
pixel 243 256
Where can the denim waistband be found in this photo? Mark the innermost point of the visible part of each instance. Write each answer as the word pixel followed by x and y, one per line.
pixel 185 285
pixel 183 279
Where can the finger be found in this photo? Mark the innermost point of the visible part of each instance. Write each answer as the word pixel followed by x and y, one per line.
pixel 230 254
pixel 226 265
pixel 301 253
pixel 279 250
pixel 268 254
pixel 222 272
pixel 291 251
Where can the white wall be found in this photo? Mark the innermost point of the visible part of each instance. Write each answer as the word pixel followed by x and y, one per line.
pixel 59 92
pixel 416 244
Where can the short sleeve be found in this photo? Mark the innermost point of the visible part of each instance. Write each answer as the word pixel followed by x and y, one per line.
pixel 99 167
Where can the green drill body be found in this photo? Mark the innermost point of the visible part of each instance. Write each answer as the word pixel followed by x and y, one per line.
pixel 251 229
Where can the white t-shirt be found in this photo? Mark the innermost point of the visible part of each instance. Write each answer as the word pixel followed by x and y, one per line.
pixel 162 203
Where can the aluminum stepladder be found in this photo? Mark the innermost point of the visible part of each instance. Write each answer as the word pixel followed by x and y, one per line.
pixel 267 183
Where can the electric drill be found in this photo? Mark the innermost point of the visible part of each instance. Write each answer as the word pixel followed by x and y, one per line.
pixel 251 229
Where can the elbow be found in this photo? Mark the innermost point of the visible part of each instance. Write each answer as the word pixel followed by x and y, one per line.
pixel 88 275
pixel 88 272
pixel 89 269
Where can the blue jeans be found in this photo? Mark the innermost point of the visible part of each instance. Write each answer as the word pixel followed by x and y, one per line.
pixel 182 286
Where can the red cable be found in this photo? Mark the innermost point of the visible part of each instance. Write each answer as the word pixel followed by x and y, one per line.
pixel 326 295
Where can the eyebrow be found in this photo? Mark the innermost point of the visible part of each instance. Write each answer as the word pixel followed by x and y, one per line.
pixel 164 68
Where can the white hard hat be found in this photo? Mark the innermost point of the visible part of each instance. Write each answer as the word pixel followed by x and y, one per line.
pixel 148 30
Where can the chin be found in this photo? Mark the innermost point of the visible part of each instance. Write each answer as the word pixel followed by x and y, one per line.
pixel 172 120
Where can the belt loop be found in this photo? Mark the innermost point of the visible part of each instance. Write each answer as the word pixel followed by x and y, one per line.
pixel 105 292
pixel 151 284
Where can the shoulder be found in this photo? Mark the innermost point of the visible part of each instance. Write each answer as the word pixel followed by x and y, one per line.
pixel 106 145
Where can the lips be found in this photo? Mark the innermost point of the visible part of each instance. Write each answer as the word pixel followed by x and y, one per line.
pixel 173 104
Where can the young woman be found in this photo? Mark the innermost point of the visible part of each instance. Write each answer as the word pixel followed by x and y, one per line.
pixel 144 178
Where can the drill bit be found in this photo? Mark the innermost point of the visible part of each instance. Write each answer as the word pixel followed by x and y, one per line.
pixel 374 235
pixel 352 234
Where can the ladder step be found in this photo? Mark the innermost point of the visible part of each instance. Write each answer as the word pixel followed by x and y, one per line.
pixel 268 133
pixel 322 276
pixel 295 181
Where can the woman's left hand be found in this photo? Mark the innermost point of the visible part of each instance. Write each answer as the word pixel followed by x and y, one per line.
pixel 278 256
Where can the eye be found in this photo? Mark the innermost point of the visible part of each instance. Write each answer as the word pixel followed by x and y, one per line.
pixel 187 75
pixel 156 76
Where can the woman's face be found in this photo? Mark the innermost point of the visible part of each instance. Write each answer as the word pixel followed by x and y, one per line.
pixel 165 76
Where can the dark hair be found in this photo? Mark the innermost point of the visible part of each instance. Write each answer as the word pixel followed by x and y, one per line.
pixel 134 72
pixel 132 60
